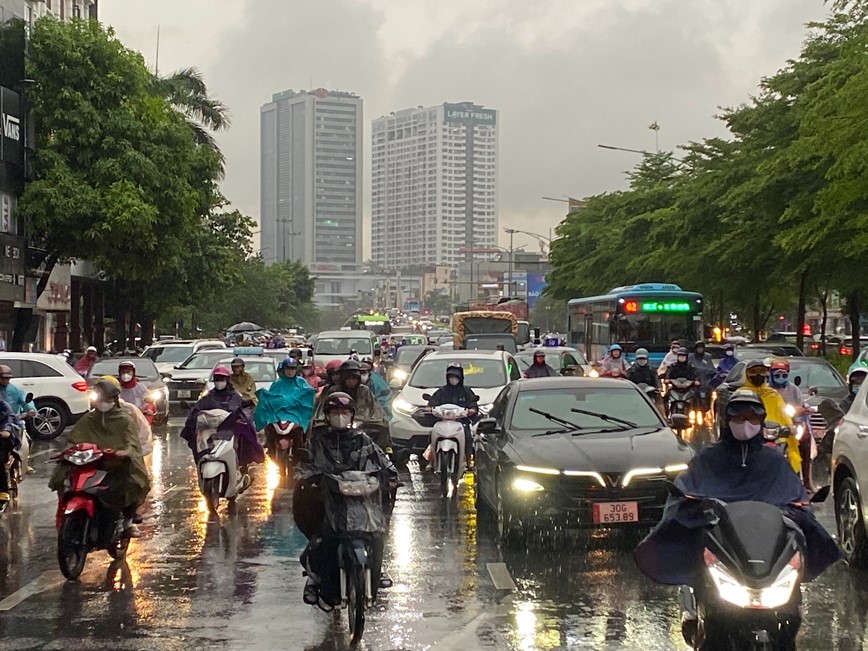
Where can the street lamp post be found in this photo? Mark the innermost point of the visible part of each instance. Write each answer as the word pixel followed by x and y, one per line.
pixel 511 232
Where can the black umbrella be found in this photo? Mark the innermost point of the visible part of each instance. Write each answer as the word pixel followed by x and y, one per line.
pixel 244 326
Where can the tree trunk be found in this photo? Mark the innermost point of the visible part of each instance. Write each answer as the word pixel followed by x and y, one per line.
pixel 800 316
pixel 855 310
pixel 824 306
pixel 756 317
pixel 147 330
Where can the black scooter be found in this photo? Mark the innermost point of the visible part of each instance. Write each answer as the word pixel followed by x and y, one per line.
pixel 749 591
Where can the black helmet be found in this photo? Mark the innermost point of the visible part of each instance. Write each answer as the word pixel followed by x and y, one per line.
pixel 351 366
pixel 698 344
pixel 745 399
pixel 682 351
pixel 295 352
pixel 106 389
pixel 338 400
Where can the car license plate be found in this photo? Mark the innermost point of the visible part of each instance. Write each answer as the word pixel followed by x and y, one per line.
pixel 183 394
pixel 616 512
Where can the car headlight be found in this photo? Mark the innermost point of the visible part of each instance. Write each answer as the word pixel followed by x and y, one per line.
pixel 524 485
pixel 403 407
pixel 672 469
pixel 399 374
pixel 157 394
pixel 774 596
pixel 594 373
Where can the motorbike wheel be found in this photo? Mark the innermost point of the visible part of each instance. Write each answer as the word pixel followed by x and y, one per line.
pixel 444 462
pixel 356 603
pixel 72 544
pixel 14 479
pixel 211 493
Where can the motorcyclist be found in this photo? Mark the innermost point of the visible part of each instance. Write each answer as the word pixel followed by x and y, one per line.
pixel 297 355
pixel 614 364
pixel 368 411
pixel 111 427
pixel 641 372
pixel 308 374
pixel 132 391
pixel 725 365
pixel 779 380
pixel 454 392
pixel 682 368
pixel 832 413
pixel 243 382
pixel 705 372
pixel 670 358
pixel 333 373
pixel 377 385
pixel 82 366
pixel 539 368
pixel 340 447
pixel 289 399
pixel 757 372
pixel 736 469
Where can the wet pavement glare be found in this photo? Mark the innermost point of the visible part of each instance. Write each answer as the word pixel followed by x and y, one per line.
pixel 190 583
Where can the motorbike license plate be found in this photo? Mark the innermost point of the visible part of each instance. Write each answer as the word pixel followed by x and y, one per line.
pixel 183 394
pixel 615 512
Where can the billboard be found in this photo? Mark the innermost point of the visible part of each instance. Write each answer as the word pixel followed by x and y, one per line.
pixel 469 114
pixel 11 134
pixel 536 283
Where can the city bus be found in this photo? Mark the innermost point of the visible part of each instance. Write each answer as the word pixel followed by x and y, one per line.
pixel 379 324
pixel 648 315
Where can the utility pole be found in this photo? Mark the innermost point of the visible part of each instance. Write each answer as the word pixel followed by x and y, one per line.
pixel 511 232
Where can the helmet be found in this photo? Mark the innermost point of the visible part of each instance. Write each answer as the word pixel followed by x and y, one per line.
pixel 682 351
pixel 615 347
pixel 221 371
pixel 295 352
pixel 288 362
pixel 698 344
pixel 107 388
pixel 334 365
pixel 728 347
pixel 126 364
pixel 642 353
pixel 539 352
pixel 780 363
pixel 366 364
pixel 5 371
pixel 454 369
pixel 113 380
pixel 351 366
pixel 91 349
pixel 857 371
pixel 237 362
pixel 756 363
pixel 743 399
pixel 308 361
pixel 338 400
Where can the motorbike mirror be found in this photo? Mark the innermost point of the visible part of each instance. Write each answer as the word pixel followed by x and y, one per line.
pixel 426 396
pixel 813 391
pixel 28 397
pixel 821 495
pixel 797 381
pixel 167 376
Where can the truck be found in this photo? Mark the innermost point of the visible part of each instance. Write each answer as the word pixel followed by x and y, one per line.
pixel 482 322
pixel 518 307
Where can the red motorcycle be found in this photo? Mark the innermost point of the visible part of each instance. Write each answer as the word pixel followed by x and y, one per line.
pixel 84 521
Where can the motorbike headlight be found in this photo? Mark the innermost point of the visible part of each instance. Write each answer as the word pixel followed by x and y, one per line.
pixel 156 394
pixel 790 410
pixel 594 373
pixel 403 407
pixel 399 374
pixel 524 485
pixel 93 396
pixel 773 596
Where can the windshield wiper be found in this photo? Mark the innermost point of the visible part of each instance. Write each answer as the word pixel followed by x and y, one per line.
pixel 568 426
pixel 609 419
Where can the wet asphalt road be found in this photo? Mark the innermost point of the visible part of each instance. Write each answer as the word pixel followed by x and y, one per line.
pixel 191 584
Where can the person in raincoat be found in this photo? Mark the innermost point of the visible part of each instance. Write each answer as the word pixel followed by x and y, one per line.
pixel 757 372
pixel 86 361
pixel 132 391
pixel 725 365
pixel 736 469
pixel 224 396
pixel 10 439
pixel 377 385
pixel 455 392
pixel 288 399
pixel 614 364
pixel 110 426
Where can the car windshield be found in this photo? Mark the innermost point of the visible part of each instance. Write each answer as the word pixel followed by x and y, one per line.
pixel 407 355
pixel 822 376
pixel 552 359
pixel 168 354
pixel 203 360
pixel 262 370
pixel 145 369
pixel 626 404
pixel 343 345
pixel 478 373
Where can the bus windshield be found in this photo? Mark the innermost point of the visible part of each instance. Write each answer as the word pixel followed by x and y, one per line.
pixel 655 329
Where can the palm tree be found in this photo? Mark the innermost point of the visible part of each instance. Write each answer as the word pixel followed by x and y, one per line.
pixel 186 90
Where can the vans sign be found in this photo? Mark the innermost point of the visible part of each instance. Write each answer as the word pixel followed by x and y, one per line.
pixel 11 136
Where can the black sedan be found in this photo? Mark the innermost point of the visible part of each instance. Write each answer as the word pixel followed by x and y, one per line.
pixel 574 452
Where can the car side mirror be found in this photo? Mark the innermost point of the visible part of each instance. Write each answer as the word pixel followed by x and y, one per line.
pixel 28 397
pixel 310 352
pixel 396 384
pixel 166 376
pixel 572 369
pixel 813 391
pixel 426 396
pixel 487 426
pixel 177 366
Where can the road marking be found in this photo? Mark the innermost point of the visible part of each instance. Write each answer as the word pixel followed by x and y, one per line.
pixel 45 581
pixel 500 576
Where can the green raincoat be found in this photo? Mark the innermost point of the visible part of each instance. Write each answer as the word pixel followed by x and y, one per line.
pixel 115 430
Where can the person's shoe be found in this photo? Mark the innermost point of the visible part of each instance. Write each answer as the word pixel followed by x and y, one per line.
pixel 310 596
pixel 385 581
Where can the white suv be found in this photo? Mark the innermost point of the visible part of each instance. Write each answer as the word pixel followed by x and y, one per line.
pixel 59 392
pixel 167 355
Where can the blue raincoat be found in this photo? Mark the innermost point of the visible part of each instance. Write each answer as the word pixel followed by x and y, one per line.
pixel 382 393
pixel 285 400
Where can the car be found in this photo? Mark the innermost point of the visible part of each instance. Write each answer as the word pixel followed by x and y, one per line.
pixel 817 379
pixel 542 465
pixel 262 368
pixel 491 341
pixel 486 372
pixel 340 344
pixel 765 349
pixel 186 379
pixel 568 361
pixel 861 362
pixel 146 372
pixel 849 473
pixel 405 360
pixel 845 348
pixel 166 355
pixel 60 394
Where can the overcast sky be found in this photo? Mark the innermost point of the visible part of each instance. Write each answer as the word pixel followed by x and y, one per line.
pixel 566 75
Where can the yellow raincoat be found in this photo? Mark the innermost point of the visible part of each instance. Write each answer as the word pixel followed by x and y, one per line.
pixel 776 411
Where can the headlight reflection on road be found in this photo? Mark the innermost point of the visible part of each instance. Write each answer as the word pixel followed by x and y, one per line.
pixel 402 542
pixel 525 625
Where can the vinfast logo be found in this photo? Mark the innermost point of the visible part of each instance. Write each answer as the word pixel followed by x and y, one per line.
pixel 11 127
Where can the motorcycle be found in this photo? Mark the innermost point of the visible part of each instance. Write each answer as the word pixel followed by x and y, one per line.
pixel 84 522
pixel 217 464
pixel 679 400
pixel 283 439
pixel 749 590
pixel 446 449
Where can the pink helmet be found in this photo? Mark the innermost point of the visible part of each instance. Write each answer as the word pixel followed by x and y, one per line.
pixel 221 370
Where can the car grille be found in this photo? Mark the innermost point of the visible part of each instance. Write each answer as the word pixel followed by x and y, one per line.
pixel 582 490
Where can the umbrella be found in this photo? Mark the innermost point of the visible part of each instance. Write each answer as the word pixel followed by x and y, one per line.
pixel 244 326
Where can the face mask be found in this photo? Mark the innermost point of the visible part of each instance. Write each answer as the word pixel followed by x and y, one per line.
pixel 340 421
pixel 220 385
pixel 365 377
pixel 126 377
pixel 757 380
pixel 744 431
pixel 452 380
pixel 306 371
pixel 104 405
pixel 854 388
pixel 730 353
pixel 642 362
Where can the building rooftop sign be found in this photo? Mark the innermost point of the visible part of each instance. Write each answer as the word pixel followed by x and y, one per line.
pixel 469 114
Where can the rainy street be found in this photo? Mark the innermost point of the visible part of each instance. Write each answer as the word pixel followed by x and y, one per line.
pixel 236 584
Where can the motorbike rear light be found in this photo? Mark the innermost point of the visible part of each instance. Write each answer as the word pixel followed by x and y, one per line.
pixel 81 385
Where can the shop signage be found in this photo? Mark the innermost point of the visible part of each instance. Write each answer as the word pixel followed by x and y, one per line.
pixel 10 126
